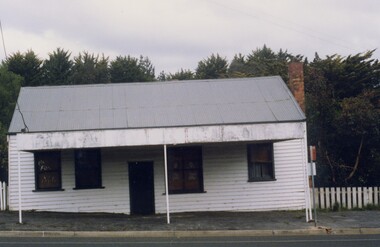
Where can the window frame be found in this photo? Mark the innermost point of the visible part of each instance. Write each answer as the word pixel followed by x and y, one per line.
pixel 81 171
pixel 37 173
pixel 252 163
pixel 179 152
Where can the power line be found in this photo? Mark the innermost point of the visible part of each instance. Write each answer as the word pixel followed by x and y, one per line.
pixel 2 37
pixel 312 34
pixel 25 129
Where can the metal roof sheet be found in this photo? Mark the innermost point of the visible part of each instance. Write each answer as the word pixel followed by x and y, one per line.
pixel 155 104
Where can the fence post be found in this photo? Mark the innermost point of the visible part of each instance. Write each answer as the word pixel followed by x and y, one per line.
pixel 354 197
pixel 344 204
pixel 376 197
pixel 338 196
pixel 6 196
pixel 360 197
pixel 365 196
pixel 332 194
pixel 349 196
pixel 327 192
pixel 3 196
pixel 322 198
pixel 317 200
pixel 370 195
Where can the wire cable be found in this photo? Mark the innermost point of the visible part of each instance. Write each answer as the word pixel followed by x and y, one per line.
pixel 2 37
pixel 25 129
pixel 312 34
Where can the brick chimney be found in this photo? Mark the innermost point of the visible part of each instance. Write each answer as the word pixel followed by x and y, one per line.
pixel 296 82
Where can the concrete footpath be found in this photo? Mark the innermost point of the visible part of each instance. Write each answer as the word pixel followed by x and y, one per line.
pixel 203 224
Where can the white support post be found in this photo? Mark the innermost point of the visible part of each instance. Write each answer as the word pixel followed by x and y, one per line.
pixel 1 196
pixel 19 189
pixel 306 182
pixel 312 179
pixel 166 185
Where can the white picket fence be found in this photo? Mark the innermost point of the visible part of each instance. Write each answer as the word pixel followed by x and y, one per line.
pixel 346 197
pixel 3 196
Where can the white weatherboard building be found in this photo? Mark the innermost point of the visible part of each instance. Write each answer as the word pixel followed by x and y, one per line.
pixel 145 148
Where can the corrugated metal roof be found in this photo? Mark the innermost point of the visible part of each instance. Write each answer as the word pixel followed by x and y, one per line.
pixel 157 104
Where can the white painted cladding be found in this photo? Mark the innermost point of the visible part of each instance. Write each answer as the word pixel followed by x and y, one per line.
pixel 225 181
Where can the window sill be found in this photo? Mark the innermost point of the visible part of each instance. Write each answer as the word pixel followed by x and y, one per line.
pixel 91 188
pixel 261 180
pixel 47 190
pixel 183 193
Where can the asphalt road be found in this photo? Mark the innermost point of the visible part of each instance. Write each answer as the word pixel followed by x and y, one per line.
pixel 293 241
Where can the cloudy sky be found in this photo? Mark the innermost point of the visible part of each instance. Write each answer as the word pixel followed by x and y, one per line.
pixel 176 34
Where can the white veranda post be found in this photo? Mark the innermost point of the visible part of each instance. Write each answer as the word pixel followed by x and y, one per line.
pixel 166 185
pixel 19 189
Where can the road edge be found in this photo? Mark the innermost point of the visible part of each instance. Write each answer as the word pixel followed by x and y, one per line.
pixel 183 234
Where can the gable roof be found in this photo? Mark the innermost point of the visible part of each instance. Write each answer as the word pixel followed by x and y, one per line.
pixel 155 104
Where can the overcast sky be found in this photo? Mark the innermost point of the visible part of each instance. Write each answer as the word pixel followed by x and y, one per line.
pixel 177 34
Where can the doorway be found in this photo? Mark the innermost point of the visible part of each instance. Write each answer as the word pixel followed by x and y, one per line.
pixel 141 187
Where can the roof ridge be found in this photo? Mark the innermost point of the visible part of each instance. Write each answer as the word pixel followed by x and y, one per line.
pixel 148 82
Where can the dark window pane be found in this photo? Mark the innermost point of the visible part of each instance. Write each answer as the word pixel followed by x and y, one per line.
pixel 47 170
pixel 189 164
pixel 260 161
pixel 185 169
pixel 257 171
pixel 191 180
pixel 175 181
pixel 87 169
pixel 48 180
pixel 267 171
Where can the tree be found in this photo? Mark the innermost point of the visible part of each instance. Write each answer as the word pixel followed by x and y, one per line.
pixel 262 62
pixel 89 69
pixel 238 67
pixel 162 76
pixel 213 67
pixel 131 69
pixel 27 65
pixel 147 69
pixel 124 69
pixel 358 122
pixel 181 75
pixel 56 70
pixel 343 120
pixel 9 88
pixel 102 74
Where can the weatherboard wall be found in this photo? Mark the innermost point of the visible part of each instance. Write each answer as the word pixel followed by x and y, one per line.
pixel 225 175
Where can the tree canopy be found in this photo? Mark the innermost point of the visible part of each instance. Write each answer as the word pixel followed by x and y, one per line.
pixel 57 68
pixel 183 74
pixel 343 117
pixel 27 65
pixel 213 67
pixel 9 87
pixel 131 69
pixel 89 69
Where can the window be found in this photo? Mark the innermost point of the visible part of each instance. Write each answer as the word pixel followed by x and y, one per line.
pixel 88 173
pixel 260 162
pixel 47 167
pixel 185 170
